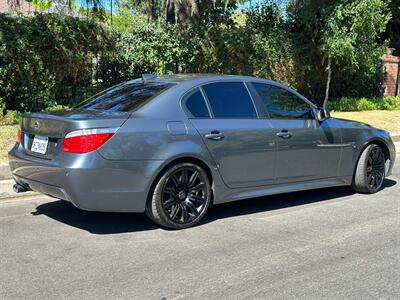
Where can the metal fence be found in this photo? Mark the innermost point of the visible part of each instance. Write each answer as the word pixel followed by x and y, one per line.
pixel 71 95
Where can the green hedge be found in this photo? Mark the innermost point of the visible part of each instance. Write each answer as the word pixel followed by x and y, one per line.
pixel 362 104
pixel 41 54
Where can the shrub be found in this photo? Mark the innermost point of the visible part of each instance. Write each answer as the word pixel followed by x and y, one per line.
pixel 363 104
pixel 56 107
pixel 41 53
pixel 9 117
pixel 389 103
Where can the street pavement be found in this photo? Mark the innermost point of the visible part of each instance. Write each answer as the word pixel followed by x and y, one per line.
pixel 327 243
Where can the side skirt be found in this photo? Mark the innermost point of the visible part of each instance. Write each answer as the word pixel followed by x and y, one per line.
pixel 239 194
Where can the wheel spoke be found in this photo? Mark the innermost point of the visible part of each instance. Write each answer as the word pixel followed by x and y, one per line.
pixel 169 190
pixel 198 187
pixel 193 178
pixel 373 181
pixel 184 213
pixel 375 154
pixel 174 181
pixel 381 157
pixel 169 203
pixel 192 208
pixel 174 212
pixel 369 178
pixel 196 199
pixel 184 177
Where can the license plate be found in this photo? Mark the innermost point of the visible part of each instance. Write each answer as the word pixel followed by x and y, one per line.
pixel 39 144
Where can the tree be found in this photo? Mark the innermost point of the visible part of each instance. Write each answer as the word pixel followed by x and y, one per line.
pixel 393 28
pixel 351 36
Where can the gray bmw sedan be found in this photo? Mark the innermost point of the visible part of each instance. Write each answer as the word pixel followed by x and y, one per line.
pixel 171 146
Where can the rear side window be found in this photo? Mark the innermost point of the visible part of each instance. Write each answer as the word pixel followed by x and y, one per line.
pixel 230 100
pixel 125 97
pixel 196 105
pixel 280 103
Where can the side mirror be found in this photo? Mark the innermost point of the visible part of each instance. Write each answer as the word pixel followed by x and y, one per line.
pixel 323 114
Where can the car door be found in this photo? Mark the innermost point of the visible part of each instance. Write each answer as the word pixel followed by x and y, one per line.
pixel 241 144
pixel 307 149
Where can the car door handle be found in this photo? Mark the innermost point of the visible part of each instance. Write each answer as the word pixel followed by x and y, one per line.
pixel 215 136
pixel 285 134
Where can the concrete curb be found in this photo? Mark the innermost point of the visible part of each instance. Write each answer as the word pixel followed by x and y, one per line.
pixel 7 193
pixel 5 172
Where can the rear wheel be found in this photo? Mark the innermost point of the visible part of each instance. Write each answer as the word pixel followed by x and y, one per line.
pixel 181 196
pixel 370 170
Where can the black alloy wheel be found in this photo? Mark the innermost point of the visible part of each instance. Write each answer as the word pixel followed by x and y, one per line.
pixel 375 171
pixel 181 197
pixel 370 170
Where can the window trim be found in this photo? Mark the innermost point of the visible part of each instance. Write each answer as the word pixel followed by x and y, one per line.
pixel 186 96
pixel 207 101
pixel 289 90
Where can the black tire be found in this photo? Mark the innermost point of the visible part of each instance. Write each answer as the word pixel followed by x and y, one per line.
pixel 370 171
pixel 180 197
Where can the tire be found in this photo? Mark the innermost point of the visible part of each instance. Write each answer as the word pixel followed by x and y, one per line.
pixel 180 197
pixel 370 170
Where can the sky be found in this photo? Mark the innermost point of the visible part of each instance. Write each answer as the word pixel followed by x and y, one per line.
pixel 107 4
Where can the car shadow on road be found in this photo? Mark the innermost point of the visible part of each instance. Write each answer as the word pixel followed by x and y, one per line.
pixel 112 223
pixel 280 201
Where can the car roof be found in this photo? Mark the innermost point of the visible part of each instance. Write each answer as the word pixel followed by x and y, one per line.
pixel 195 79
pixel 180 78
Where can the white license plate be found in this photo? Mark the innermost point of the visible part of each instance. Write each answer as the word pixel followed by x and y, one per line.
pixel 39 144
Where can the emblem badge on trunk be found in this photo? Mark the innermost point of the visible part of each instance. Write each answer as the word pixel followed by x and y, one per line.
pixel 36 124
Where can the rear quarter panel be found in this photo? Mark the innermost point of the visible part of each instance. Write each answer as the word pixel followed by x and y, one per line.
pixel 154 139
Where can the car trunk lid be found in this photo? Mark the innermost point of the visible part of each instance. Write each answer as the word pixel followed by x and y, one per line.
pixel 49 129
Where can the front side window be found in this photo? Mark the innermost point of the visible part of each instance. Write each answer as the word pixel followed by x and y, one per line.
pixel 282 104
pixel 230 100
pixel 196 106
pixel 126 97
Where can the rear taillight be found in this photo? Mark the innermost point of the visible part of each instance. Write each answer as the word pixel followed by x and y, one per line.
pixel 86 140
pixel 19 136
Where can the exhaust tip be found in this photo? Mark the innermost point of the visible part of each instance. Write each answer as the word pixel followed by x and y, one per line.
pixel 18 188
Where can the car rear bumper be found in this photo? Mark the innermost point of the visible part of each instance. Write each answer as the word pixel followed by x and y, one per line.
pixel 88 181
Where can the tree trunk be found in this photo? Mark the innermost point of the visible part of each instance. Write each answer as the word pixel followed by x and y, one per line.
pixel 328 82
pixel 188 11
pixel 170 17
pixel 153 10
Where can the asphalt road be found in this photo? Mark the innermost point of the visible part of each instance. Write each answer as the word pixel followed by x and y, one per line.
pixel 328 243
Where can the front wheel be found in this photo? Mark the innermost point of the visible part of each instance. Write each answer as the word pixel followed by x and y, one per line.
pixel 370 170
pixel 181 196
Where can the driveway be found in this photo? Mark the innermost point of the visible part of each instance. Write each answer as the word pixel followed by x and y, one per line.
pixel 328 243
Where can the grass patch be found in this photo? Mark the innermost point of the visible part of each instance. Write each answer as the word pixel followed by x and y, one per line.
pixel 8 135
pixel 383 119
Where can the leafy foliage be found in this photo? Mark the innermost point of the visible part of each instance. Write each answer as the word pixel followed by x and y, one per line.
pixel 42 53
pixel 49 59
pixel 351 35
pixel 363 104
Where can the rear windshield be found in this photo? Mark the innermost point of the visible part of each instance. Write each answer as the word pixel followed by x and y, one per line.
pixel 125 97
